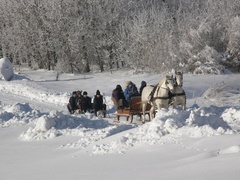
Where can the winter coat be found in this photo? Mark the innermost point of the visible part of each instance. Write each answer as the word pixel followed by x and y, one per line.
pixel 143 85
pixel 72 102
pixel 131 91
pixel 118 94
pixel 86 104
pixel 98 103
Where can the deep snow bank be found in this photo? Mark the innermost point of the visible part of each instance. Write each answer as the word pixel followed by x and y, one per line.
pixel 25 88
pixel 168 124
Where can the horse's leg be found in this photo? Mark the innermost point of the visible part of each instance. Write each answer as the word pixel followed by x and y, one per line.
pixel 151 112
pixel 165 104
pixel 181 100
pixel 159 106
pixel 144 105
pixel 184 104
pixel 184 107
pixel 175 104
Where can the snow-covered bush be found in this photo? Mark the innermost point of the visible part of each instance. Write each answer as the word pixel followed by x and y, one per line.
pixel 206 62
pixel 6 69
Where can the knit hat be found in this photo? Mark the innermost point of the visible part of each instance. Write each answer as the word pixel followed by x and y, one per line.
pixel 118 87
pixel 143 83
pixel 74 92
pixel 97 92
pixel 127 83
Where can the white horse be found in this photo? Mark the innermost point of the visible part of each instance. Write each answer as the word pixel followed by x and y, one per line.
pixel 157 96
pixel 178 96
pixel 179 78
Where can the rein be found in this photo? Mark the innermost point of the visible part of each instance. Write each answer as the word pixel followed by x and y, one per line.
pixel 153 91
pixel 160 98
pixel 177 94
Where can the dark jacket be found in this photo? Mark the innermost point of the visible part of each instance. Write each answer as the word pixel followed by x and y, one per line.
pixel 98 103
pixel 118 95
pixel 86 104
pixel 143 85
pixel 72 103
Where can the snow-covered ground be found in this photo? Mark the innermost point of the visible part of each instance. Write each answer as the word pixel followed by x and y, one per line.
pixel 39 139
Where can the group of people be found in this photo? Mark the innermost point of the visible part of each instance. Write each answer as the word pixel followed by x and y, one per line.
pixel 82 103
pixel 123 97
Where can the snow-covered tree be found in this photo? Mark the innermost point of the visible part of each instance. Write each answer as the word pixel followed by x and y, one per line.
pixel 82 35
pixel 234 42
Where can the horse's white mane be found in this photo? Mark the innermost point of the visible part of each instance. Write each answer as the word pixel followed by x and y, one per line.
pixel 164 79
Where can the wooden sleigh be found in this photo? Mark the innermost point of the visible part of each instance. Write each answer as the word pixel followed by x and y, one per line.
pixel 135 108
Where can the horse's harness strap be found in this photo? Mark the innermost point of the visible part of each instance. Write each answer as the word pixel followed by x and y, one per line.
pixel 152 93
pixel 168 97
pixel 160 98
pixel 178 94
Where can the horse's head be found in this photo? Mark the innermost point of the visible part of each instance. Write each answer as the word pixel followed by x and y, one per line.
pixel 169 82
pixel 179 78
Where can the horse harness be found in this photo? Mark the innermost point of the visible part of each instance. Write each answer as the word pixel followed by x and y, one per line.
pixel 152 93
pixel 177 94
pixel 170 95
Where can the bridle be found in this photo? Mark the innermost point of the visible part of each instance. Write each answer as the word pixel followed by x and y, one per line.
pixel 157 87
pixel 179 74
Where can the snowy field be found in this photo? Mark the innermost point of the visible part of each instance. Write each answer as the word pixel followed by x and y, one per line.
pixel 39 139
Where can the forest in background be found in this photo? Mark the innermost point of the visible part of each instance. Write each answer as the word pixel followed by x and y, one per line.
pixel 78 36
